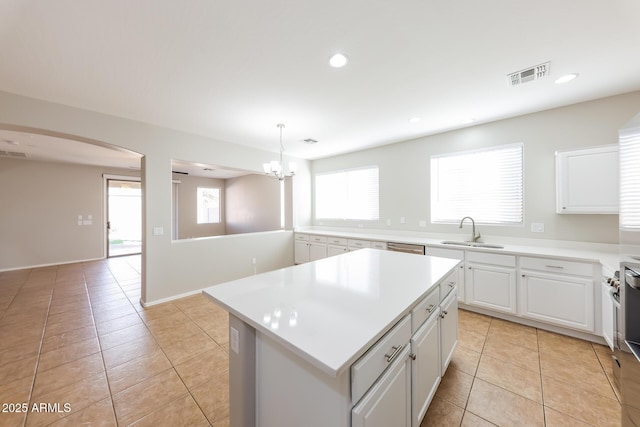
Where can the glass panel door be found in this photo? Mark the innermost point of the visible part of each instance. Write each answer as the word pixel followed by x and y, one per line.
pixel 124 217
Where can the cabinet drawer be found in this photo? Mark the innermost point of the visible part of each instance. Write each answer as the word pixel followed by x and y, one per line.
pixel 369 367
pixel 317 239
pixel 302 237
pixel 551 265
pixel 445 253
pixel 448 284
pixel 425 308
pixel 494 259
pixel 359 244
pixel 379 245
pixel 337 241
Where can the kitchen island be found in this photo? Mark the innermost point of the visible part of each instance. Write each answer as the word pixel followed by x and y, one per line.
pixel 328 342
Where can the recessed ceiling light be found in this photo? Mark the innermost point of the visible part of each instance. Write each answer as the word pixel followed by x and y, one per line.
pixel 12 142
pixel 468 121
pixel 566 78
pixel 310 141
pixel 338 60
pixel 207 169
pixel 414 119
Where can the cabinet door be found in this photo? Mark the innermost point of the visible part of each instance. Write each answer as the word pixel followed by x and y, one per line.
pixel 448 330
pixel 491 287
pixel 425 368
pixel 336 250
pixel 317 251
pixel 301 252
pixel 561 300
pixel 585 182
pixel 608 328
pixel 388 402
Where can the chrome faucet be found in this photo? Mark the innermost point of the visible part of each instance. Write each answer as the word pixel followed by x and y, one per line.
pixel 474 237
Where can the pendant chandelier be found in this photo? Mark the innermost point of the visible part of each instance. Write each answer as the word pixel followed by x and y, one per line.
pixel 275 168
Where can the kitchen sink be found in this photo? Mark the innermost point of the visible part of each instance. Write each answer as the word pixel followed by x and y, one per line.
pixel 472 244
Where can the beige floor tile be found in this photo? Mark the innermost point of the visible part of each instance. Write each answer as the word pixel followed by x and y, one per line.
pixel 455 387
pixel 511 377
pixel 521 335
pixel 54 342
pixel 104 316
pixel 21 368
pixel 78 395
pixel 203 367
pixel 442 413
pixel 15 335
pixel 180 332
pixel 471 340
pixel 472 420
pixel 167 323
pixel 68 353
pixel 63 327
pixel 15 391
pixel 188 348
pixel 465 360
pixel 554 418
pixel 147 396
pixel 589 376
pixel 502 407
pixel 473 322
pixel 137 370
pixel 181 412
pixel 121 336
pixel 66 374
pixel 99 414
pixel 159 311
pixel 118 323
pixel 513 353
pixel 123 353
pixel 583 405
pixel 18 352
pixel 213 398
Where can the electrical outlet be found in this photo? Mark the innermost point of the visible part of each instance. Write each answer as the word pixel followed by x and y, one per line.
pixel 388 222
pixel 422 223
pixel 537 227
pixel 401 220
pixel 234 337
pixel 253 261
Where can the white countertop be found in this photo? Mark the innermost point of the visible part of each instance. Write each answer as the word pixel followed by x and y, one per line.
pixel 606 254
pixel 330 311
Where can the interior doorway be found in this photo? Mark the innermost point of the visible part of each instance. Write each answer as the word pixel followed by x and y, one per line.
pixel 124 217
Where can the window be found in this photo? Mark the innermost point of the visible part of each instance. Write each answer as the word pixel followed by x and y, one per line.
pixel 630 182
pixel 485 184
pixel 351 194
pixel 208 205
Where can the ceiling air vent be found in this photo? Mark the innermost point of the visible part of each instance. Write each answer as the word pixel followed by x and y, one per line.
pixel 13 154
pixel 310 141
pixel 529 74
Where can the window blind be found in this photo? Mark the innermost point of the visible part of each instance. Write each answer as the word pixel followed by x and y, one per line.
pixel 351 194
pixel 484 184
pixel 630 182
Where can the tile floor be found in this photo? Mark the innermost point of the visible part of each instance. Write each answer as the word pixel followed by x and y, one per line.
pixel 77 335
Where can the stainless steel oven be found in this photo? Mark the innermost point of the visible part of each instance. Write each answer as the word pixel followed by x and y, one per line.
pixel 627 352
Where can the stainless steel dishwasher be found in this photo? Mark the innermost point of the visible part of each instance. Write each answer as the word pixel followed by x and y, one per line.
pixel 406 248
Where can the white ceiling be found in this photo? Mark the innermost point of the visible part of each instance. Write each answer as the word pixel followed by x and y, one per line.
pixel 232 70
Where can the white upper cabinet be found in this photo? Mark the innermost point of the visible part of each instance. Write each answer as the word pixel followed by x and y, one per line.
pixel 587 181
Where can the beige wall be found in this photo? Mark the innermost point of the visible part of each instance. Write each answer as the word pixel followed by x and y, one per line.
pixel 188 226
pixel 168 268
pixel 41 202
pixel 252 204
pixel 405 169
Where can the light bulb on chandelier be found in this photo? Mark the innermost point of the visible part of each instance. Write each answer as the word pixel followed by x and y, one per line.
pixel 274 168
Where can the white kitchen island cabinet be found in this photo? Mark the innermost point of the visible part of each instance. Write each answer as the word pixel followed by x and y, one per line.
pixel 304 339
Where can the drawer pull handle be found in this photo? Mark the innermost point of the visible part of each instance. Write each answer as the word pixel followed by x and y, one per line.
pixel 431 307
pixel 412 356
pixel 554 266
pixel 444 313
pixel 452 284
pixel 396 351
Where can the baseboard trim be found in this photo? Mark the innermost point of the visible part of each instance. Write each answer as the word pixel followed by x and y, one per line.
pixel 50 264
pixel 168 299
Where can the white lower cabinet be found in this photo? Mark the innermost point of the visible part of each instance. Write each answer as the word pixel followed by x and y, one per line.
pixel 425 369
pixel 557 299
pixel 491 286
pixel 388 402
pixel 448 330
